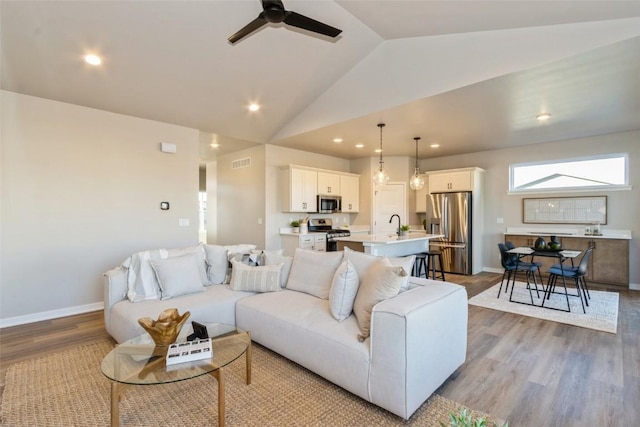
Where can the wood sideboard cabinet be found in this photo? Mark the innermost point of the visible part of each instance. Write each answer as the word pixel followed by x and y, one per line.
pixel 609 261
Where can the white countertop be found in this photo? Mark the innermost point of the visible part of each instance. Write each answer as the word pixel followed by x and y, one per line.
pixel 387 239
pixel 568 232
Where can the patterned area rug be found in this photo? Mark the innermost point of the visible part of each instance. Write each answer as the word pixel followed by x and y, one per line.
pixel 602 312
pixel 68 389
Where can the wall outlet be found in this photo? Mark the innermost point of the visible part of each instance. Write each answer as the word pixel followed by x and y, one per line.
pixel 259 221
pixel 183 222
pixel 499 220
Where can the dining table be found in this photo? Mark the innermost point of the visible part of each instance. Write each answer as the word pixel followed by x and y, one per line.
pixel 562 256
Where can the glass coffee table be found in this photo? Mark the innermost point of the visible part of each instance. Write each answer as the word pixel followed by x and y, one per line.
pixel 140 362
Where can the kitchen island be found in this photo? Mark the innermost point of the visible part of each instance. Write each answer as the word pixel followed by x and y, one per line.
pixel 387 244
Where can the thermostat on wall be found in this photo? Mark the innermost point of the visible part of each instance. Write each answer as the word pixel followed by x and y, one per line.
pixel 164 206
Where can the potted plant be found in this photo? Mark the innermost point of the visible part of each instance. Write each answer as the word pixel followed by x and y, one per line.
pixel 404 229
pixel 465 419
pixel 295 226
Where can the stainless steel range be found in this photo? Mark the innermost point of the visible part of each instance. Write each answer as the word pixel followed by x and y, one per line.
pixel 325 225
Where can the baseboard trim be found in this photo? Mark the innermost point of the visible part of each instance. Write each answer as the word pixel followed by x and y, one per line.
pixel 493 270
pixel 48 315
pixel 634 286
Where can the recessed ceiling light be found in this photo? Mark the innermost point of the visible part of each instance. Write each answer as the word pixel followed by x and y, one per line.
pixel 378 150
pixel 92 59
pixel 434 145
pixel 214 145
pixel 359 145
pixel 254 107
pixel 543 116
pixel 337 140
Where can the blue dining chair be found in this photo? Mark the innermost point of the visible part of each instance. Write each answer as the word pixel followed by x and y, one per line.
pixel 512 267
pixel 575 273
pixel 510 245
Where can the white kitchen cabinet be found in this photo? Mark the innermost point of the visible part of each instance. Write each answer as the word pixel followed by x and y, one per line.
pixel 350 192
pixel 421 197
pixel 328 183
pixel 453 180
pixel 299 190
pixel 311 241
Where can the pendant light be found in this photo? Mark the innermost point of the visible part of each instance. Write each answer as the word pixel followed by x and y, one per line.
pixel 417 181
pixel 380 177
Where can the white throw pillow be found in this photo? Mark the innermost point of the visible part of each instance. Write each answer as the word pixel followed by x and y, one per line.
pixel 255 279
pixel 178 275
pixel 362 262
pixel 200 258
pixel 382 281
pixel 343 291
pixel 217 261
pixel 271 258
pixel 312 272
pixel 142 283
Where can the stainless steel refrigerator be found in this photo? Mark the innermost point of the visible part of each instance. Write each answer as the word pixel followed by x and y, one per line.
pixel 450 214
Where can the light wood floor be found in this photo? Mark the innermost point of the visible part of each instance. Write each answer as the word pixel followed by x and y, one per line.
pixel 528 371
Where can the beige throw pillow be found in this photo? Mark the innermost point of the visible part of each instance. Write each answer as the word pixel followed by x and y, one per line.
pixel 255 279
pixel 343 291
pixel 381 281
pixel 362 262
pixel 271 258
pixel 312 272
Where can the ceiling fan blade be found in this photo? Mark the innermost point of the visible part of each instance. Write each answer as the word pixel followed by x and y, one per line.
pixel 301 21
pixel 249 28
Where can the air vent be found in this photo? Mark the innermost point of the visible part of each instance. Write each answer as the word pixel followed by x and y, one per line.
pixel 241 163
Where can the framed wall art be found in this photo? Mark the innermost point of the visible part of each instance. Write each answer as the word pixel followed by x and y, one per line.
pixel 565 210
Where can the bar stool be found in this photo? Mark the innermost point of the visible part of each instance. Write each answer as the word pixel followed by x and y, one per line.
pixel 420 266
pixel 430 260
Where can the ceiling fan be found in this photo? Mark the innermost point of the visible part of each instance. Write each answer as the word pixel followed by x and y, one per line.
pixel 274 12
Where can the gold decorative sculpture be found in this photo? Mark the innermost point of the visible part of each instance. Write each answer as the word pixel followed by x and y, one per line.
pixel 165 330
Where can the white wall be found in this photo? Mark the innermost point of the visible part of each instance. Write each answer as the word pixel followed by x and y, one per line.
pixel 623 207
pixel 241 198
pixel 81 191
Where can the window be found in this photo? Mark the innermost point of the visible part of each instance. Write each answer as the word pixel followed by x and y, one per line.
pixel 588 173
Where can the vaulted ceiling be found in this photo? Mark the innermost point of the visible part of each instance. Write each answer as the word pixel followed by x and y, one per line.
pixel 468 75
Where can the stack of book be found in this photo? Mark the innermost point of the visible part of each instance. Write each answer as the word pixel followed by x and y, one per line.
pixel 188 351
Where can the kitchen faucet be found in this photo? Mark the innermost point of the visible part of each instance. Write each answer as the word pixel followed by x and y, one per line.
pixel 391 220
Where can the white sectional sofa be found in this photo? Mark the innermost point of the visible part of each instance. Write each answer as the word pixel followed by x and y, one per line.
pixel 418 332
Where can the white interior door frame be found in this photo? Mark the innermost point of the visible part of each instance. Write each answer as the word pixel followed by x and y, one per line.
pixel 388 200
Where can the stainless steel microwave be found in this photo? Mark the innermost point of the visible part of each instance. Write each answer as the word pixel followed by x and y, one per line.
pixel 329 204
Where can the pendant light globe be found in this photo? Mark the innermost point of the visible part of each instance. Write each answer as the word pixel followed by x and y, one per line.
pixel 380 176
pixel 416 182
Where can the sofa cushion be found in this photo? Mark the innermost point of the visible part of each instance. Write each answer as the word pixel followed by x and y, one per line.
pixel 271 258
pixel 177 275
pixel 343 291
pixel 381 281
pixel 255 279
pixel 300 327
pixel 362 262
pixel 217 304
pixel 312 272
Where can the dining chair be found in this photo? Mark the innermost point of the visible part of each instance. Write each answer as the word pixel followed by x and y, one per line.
pixel 510 245
pixel 512 266
pixel 577 274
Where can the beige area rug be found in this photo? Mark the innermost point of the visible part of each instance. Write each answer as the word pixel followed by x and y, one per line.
pixel 68 389
pixel 602 312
